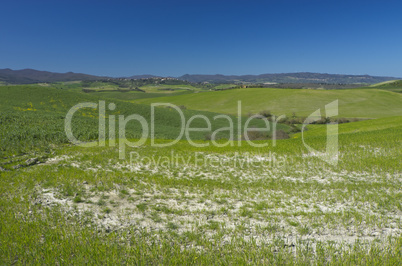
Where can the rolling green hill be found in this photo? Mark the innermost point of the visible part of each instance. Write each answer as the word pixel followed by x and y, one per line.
pixel 355 128
pixel 123 89
pixel 389 83
pixel 32 118
pixel 188 205
pixel 360 103
pixel 392 85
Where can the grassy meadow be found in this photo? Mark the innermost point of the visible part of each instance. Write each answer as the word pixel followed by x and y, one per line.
pixel 392 85
pixel 129 90
pixel 353 103
pixel 181 204
pixel 32 118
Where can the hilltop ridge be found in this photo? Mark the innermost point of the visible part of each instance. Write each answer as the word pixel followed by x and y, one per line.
pixel 26 76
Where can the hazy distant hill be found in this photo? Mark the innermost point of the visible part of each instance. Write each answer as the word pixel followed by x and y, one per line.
pixel 25 76
pixel 302 77
pixel 146 76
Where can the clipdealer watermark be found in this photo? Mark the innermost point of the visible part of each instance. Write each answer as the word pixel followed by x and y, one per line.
pixel 242 129
pixel 237 160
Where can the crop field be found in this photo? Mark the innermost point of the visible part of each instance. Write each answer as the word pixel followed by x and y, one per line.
pixel 135 95
pixel 132 90
pixel 353 103
pixel 32 119
pixel 148 92
pixel 228 202
pixel 392 85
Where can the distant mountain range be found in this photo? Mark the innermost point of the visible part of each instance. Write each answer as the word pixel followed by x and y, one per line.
pixel 302 77
pixel 26 76
pixel 146 76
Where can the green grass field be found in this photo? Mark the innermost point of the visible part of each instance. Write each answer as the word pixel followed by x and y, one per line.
pixel 235 204
pixel 32 119
pixel 134 95
pixel 392 85
pixel 114 91
pixel 359 103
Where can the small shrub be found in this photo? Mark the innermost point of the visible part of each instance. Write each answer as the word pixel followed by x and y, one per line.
pixel 246 213
pixel 280 134
pixel 155 217
pixel 77 199
pixel 283 120
pixel 266 113
pixel 172 226
pixel 323 120
pixel 295 129
pixel 303 230
pixel 293 223
pixel 124 192
pixel 101 202
pixel 342 120
pixel 213 225
pixel 255 135
pixel 142 207
pixel 107 210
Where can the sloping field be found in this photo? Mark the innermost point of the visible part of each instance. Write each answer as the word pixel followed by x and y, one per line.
pixel 32 118
pixel 389 83
pixel 359 103
pixel 229 205
pixel 356 127
pixel 392 85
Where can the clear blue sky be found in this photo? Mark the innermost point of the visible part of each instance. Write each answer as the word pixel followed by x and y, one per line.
pixel 172 38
